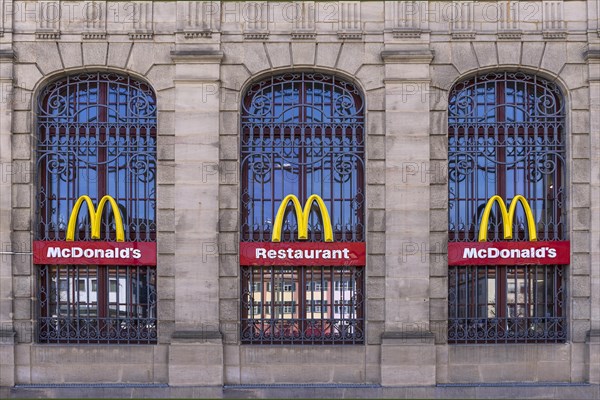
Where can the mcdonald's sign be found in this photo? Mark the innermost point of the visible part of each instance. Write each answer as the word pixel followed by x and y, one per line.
pixel 94 252
pixel 508 252
pixel 326 253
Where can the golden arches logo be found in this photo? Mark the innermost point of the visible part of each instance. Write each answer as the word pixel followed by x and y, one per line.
pixel 302 216
pixel 95 217
pixel 507 217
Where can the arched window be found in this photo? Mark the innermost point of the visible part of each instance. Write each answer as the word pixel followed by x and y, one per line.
pixel 506 137
pixel 302 134
pixel 96 136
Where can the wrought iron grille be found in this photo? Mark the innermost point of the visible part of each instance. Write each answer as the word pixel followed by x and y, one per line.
pixel 506 304
pixel 302 134
pixel 283 305
pixel 506 137
pixel 96 136
pixel 92 304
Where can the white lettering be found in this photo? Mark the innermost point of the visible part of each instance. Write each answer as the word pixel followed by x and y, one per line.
pixel 53 252
pixel 470 252
pixel 261 253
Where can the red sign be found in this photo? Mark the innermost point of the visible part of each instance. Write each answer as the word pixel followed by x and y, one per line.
pixel 303 253
pixel 508 253
pixel 94 253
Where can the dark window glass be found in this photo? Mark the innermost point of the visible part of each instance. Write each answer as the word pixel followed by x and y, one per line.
pixel 506 137
pixel 302 134
pixel 96 136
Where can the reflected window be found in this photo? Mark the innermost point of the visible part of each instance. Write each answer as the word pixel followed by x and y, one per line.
pixel 506 137
pixel 302 133
pixel 96 136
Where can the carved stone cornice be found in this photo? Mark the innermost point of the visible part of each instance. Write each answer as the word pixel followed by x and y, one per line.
pixel 411 56
pixel 202 56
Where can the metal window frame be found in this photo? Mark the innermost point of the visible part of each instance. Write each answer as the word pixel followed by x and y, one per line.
pixel 505 125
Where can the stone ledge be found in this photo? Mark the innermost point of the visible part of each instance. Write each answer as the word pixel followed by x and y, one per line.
pixel 593 336
pixel 197 56
pixel 196 335
pixel 408 337
pixel 592 55
pixel 7 55
pixel 424 56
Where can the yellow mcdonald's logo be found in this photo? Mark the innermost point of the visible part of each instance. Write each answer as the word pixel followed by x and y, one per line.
pixel 507 217
pixel 302 216
pixel 95 217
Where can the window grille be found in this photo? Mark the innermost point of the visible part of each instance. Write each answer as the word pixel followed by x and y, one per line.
pixel 506 137
pixel 302 133
pixel 96 136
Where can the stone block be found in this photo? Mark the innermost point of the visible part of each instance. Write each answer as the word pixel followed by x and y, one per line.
pixel 303 53
pixel 371 76
pixel 375 265
pixel 351 57
pixel 376 100
pixel 94 53
pixel 327 54
pixel 118 54
pixel 161 78
pixel 376 220
pixel 376 147
pixel 463 57
pixel 532 54
pixel 580 146
pixel 71 54
pixel 375 172
pixel 375 310
pixel 279 54
pixel 407 359
pixel 486 53
pixel 580 122
pixel 509 53
pixel 555 56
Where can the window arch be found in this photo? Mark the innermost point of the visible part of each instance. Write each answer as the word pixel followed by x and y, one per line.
pixel 506 137
pixel 96 136
pixel 302 134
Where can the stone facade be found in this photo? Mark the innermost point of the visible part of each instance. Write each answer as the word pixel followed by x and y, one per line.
pixel 200 57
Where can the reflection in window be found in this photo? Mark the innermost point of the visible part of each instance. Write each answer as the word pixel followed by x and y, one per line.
pixel 302 134
pixel 97 304
pixel 506 137
pixel 96 136
pixel 331 314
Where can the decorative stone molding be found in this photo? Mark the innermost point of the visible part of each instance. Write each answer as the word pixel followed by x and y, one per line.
pixel 462 25
pixel 592 55
pixel 256 27
pixel 48 21
pixel 300 35
pixel 350 35
pixel 143 19
pixel 7 55
pixel 94 14
pixel 349 20
pixel 197 19
pixel 510 35
pixel 197 34
pixel 47 35
pixel 410 56
pixel 202 56
pixel 304 21
pixel 141 35
pixel 93 35
pixel 406 19
pixel 552 20
pixel 256 35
